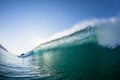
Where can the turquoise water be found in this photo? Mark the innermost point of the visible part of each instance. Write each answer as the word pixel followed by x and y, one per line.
pixel 92 53
pixel 82 62
pixel 80 56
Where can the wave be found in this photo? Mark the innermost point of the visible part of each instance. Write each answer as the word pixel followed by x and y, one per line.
pixel 88 51
pixel 3 48
pixel 14 68
pixel 103 31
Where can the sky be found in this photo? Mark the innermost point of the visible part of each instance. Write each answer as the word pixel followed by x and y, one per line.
pixel 24 24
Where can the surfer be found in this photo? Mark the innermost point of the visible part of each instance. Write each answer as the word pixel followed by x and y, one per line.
pixel 21 55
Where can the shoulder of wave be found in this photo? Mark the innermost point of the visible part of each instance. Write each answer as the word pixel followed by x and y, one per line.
pixel 3 48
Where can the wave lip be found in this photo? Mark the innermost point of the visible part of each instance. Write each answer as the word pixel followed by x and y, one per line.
pixel 104 31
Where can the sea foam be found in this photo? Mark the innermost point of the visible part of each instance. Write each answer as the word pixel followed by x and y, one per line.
pixel 107 32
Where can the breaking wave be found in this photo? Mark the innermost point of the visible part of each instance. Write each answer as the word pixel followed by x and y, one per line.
pixel 103 31
pixel 88 51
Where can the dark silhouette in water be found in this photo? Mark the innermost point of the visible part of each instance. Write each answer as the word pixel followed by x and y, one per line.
pixel 23 55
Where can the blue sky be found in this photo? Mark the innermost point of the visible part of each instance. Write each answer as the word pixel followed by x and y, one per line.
pixel 25 23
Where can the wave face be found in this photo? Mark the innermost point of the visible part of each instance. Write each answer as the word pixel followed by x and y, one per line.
pixel 14 68
pixel 90 53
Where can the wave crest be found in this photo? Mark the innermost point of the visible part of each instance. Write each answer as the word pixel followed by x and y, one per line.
pixel 104 31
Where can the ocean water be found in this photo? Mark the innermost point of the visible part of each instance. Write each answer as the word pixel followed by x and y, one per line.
pixel 91 53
